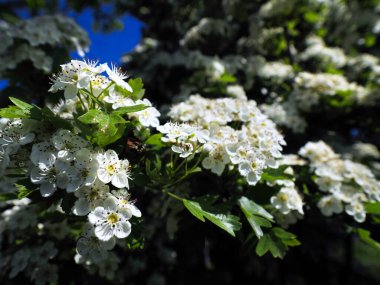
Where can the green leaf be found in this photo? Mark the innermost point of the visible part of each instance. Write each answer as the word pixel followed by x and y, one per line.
pixel 277 242
pixel 13 112
pixel 23 192
pixel 263 245
pixel 137 87
pixel 53 119
pixel 256 216
pixel 21 104
pixel 155 140
pixel 131 109
pixel 311 17
pixel 365 236
pixel 104 128
pixel 21 110
pixel 93 117
pixel 228 78
pixel 372 208
pixel 202 209
pixel 273 174
pixel 287 238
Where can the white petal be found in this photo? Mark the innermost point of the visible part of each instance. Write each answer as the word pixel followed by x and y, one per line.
pixel 97 216
pixel 135 212
pixel 110 204
pixel 111 155
pixel 81 207
pixel 120 180
pixel 104 176
pixel 104 232
pixel 123 229
pixel 47 189
pixel 126 213
pixel 70 91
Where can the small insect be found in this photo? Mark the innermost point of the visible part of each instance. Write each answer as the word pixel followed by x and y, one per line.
pixel 133 144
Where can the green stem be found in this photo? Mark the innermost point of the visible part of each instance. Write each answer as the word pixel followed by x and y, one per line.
pixel 80 99
pixel 104 90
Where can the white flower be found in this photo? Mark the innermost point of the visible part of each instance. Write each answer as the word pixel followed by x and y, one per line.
pixel 68 144
pixel 117 100
pixel 184 148
pixel 84 171
pixel 49 176
pixel 74 76
pixel 118 77
pixel 110 220
pixel 236 91
pixel 357 210
pixel 327 184
pixel 149 116
pixel 286 200
pixel 330 205
pixel 113 170
pixel 16 132
pixel 123 201
pixel 317 152
pixel 217 160
pixel 252 168
pixel 90 197
pixel 42 152
pixel 90 247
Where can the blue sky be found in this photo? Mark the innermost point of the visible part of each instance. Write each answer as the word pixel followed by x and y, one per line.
pixel 111 46
pixel 105 47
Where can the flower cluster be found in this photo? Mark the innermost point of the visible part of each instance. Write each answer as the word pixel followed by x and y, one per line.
pixel 231 131
pixel 310 88
pixel 107 84
pixel 21 41
pixel 347 185
pixel 59 158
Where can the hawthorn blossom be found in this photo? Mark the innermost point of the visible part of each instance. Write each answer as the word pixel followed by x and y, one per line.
pixel 110 220
pixel 113 170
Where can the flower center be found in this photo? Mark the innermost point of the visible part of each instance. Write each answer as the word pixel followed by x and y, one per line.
pixel 110 168
pixel 113 218
pixel 283 198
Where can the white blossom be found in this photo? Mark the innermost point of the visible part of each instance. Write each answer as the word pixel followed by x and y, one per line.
pixel 110 220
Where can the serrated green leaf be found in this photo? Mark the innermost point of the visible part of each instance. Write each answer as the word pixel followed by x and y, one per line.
pixel 194 209
pixel 256 215
pixel 131 109
pixel 283 234
pixel 277 242
pixel 263 245
pixel 202 210
pixel 254 208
